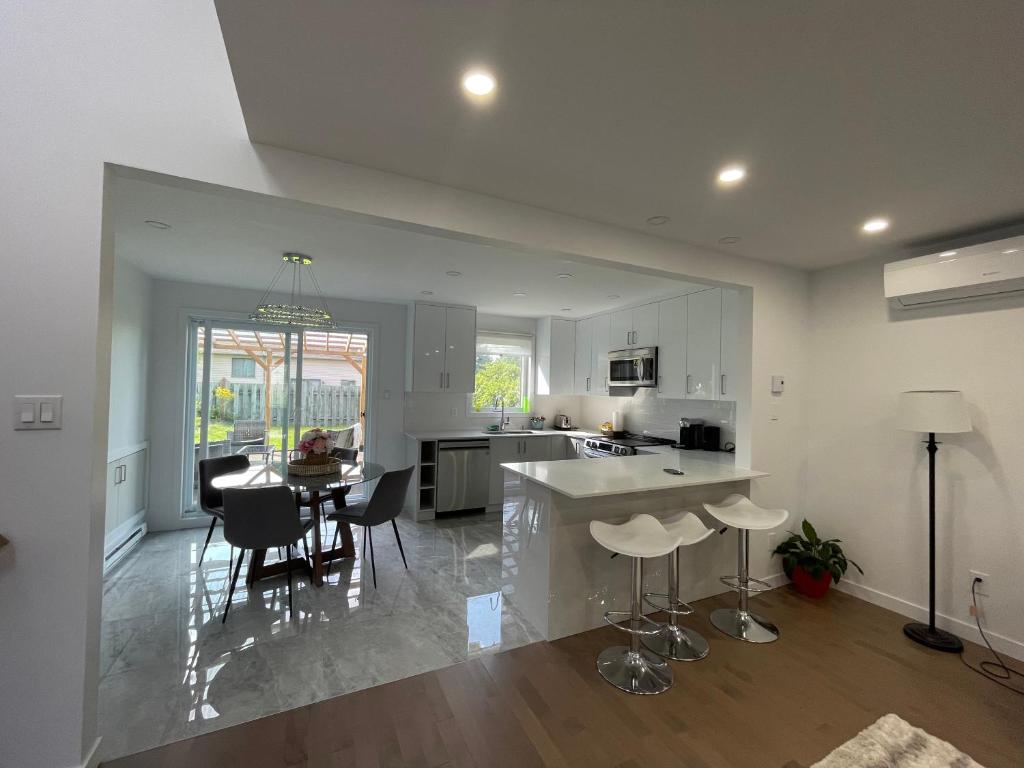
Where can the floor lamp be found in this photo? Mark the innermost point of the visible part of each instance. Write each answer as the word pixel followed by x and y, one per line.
pixel 933 411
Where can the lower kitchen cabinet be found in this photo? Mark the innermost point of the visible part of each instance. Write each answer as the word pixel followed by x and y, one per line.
pixel 508 450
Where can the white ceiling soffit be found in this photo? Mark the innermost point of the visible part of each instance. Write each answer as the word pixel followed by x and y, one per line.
pixel 620 111
pixel 219 238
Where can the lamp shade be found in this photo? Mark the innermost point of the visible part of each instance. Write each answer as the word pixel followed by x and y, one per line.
pixel 933 410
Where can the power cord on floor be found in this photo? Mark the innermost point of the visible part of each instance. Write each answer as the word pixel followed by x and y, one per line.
pixel 996 671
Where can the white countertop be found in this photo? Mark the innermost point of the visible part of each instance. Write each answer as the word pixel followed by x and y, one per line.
pixel 585 478
pixel 479 434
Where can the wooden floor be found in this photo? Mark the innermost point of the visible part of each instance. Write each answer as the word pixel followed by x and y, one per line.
pixel 840 664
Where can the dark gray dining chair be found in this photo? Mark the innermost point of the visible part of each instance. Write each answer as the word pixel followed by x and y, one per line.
pixel 384 506
pixel 262 518
pixel 211 500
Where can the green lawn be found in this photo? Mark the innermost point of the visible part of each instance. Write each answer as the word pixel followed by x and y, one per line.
pixel 218 431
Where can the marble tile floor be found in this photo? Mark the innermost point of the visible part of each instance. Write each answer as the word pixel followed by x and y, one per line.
pixel 170 670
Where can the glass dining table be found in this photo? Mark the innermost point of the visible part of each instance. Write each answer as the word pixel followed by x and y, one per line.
pixel 313 490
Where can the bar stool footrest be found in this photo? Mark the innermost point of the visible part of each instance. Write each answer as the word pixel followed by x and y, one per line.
pixel 680 608
pixel 752 585
pixel 610 620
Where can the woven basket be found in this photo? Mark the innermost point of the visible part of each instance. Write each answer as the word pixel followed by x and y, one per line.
pixel 331 467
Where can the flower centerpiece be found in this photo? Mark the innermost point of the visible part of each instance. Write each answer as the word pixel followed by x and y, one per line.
pixel 315 446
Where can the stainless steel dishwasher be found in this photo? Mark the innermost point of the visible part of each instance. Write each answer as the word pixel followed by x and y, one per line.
pixel 463 474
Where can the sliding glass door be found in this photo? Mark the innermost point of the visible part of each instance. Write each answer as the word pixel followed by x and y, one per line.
pixel 254 390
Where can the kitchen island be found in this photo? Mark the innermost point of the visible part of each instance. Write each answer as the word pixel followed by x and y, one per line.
pixel 560 578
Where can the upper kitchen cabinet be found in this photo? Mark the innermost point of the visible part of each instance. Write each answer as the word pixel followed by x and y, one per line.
pixel 583 361
pixel 443 349
pixel 672 348
pixel 729 378
pixel 631 328
pixel 556 356
pixel 703 344
pixel 600 345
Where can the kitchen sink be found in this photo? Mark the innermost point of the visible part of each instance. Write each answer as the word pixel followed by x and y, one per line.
pixel 508 432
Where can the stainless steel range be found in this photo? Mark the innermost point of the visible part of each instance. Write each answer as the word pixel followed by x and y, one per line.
pixel 609 447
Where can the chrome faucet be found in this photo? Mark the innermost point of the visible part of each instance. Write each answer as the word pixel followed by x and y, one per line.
pixel 502 422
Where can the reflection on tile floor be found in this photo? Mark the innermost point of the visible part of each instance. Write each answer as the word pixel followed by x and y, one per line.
pixel 170 669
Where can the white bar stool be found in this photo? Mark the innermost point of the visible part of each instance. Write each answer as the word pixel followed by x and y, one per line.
pixel 739 512
pixel 671 640
pixel 631 668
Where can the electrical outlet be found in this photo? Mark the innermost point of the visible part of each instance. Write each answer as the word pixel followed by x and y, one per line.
pixel 982 588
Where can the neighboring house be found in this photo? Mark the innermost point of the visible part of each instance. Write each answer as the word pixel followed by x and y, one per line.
pixel 239 368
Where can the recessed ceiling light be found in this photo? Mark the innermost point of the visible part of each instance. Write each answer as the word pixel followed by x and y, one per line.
pixel 944 254
pixel 875 225
pixel 518 293
pixel 732 174
pixel 614 296
pixel 657 221
pixel 565 275
pixel 453 273
pixel 729 240
pixel 478 82
pixel 427 293
pixel 567 309
pixel 1011 250
pixel 158 224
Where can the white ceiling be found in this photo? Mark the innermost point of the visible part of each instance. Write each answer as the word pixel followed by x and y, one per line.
pixel 618 111
pixel 219 238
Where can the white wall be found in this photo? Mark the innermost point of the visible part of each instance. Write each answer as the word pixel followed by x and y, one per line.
pixel 147 84
pixel 173 301
pixel 129 356
pixel 867 482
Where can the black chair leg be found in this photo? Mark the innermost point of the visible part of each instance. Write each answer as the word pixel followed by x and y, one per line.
pixel 399 540
pixel 231 589
pixel 209 535
pixel 231 560
pixel 290 611
pixel 373 563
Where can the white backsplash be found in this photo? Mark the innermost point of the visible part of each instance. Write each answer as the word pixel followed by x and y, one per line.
pixel 658 416
pixel 431 411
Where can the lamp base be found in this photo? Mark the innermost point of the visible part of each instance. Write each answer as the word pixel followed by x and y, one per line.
pixel 938 639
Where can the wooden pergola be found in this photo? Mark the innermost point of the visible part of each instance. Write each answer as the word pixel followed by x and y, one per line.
pixel 267 349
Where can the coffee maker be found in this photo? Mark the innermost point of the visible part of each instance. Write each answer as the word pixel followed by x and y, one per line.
pixel 691 434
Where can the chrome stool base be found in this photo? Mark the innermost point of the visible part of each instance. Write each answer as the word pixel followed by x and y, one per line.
pixel 634 671
pixel 744 625
pixel 677 643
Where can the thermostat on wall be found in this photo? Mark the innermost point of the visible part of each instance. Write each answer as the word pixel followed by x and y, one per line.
pixel 778 384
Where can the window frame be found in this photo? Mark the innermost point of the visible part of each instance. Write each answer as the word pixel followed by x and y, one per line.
pixel 528 374
pixel 240 359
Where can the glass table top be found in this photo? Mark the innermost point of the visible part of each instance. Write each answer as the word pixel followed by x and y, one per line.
pixel 264 475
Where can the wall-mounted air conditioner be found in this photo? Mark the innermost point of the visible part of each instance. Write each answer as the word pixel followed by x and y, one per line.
pixel 956 274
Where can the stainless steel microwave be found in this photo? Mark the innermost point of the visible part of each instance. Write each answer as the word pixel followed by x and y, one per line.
pixel 633 367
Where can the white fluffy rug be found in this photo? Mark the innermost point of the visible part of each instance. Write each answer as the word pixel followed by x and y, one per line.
pixel 891 742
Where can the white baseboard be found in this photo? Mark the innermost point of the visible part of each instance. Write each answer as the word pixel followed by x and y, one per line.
pixel 965 629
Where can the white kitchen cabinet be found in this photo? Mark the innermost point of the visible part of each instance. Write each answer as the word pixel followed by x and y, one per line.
pixel 460 349
pixel 672 348
pixel 632 328
pixel 645 325
pixel 573 448
pixel 583 362
pixel 442 349
pixel 729 377
pixel 621 329
pixel 600 327
pixel 508 450
pixel 703 344
pixel 556 356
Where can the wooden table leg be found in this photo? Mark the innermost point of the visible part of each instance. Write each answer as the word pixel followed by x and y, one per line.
pixel 318 555
pixel 255 566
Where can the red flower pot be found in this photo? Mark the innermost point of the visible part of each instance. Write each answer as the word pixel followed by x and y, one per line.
pixel 810 586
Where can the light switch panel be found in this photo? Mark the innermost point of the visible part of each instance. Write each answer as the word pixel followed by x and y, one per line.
pixel 38 411
pixel 778 384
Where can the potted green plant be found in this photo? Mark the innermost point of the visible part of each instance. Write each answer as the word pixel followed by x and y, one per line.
pixel 812 563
